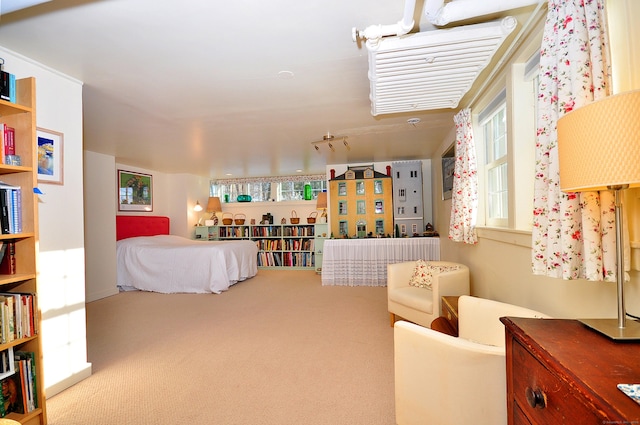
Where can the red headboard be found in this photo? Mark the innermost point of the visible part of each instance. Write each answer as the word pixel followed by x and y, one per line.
pixel 129 226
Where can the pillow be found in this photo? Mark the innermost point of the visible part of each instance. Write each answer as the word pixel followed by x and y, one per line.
pixel 423 273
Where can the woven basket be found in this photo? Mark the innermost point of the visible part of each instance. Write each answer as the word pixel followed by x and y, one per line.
pixel 294 217
pixel 227 219
pixel 312 217
pixel 239 219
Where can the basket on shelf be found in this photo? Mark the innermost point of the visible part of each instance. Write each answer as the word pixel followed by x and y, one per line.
pixel 294 217
pixel 227 218
pixel 239 219
pixel 312 217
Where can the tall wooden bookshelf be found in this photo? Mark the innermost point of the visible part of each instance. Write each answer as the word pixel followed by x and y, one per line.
pixel 22 117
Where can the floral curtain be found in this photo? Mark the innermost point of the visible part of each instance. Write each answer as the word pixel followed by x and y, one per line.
pixel 464 198
pixel 573 234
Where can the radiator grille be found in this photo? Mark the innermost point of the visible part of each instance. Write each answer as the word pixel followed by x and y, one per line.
pixel 431 69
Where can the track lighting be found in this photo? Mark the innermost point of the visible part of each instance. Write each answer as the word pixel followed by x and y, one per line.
pixel 329 139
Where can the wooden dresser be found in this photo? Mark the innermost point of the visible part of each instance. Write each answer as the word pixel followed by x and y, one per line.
pixel 561 372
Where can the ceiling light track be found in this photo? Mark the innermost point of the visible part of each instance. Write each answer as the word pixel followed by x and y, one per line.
pixel 330 140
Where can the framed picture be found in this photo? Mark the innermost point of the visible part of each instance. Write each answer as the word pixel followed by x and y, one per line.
pixel 50 156
pixel 448 167
pixel 135 191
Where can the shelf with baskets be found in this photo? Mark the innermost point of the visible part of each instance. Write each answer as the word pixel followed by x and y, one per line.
pixel 20 319
pixel 279 245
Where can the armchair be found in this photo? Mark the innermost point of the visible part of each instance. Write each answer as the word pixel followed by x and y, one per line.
pixel 446 380
pixel 420 305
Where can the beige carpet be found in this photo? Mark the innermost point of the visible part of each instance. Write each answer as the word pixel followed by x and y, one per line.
pixel 276 349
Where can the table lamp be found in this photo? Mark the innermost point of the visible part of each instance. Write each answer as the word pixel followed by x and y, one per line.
pixel 599 149
pixel 214 206
pixel 321 204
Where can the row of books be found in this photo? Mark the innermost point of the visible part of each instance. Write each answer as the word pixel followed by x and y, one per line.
pixel 17 316
pixel 234 232
pixel 287 259
pixel 266 231
pixel 10 208
pixel 7 86
pixel 285 244
pixel 298 230
pixel 18 393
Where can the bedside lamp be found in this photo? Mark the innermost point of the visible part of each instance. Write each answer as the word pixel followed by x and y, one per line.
pixel 197 208
pixel 321 204
pixel 214 206
pixel 599 149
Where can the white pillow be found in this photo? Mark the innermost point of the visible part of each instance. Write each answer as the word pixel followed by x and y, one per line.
pixel 423 273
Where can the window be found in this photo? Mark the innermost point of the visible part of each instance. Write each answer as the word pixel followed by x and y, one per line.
pixel 493 121
pixel 360 187
pixel 379 227
pixel 377 186
pixel 343 228
pixel 402 195
pixel 286 188
pixel 342 207
pixel 505 132
pixel 361 207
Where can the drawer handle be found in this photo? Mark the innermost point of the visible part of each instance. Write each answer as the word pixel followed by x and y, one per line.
pixel 535 398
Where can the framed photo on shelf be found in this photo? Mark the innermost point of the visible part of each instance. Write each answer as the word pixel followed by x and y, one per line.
pixel 448 167
pixel 50 156
pixel 135 191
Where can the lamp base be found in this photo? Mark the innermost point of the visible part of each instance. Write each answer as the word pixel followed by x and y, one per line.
pixel 609 327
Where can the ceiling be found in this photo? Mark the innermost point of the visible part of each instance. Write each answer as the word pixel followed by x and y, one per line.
pixel 219 88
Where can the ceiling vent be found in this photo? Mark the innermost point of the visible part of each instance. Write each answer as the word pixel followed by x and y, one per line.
pixel 431 69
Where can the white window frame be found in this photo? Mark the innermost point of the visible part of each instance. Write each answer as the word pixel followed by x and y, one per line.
pixel 495 164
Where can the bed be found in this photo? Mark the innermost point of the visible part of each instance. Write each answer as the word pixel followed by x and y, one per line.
pixel 150 259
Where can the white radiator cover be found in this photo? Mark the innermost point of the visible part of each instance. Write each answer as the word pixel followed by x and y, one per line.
pixel 431 69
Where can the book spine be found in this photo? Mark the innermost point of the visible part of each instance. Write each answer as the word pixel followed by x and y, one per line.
pixel 12 88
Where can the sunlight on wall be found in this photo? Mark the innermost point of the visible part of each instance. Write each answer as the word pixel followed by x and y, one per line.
pixel 61 288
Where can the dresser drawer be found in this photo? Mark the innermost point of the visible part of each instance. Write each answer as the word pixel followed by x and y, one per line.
pixel 555 403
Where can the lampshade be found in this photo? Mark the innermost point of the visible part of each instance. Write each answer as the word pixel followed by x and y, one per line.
pixel 321 202
pixel 214 204
pixel 599 144
pixel 197 207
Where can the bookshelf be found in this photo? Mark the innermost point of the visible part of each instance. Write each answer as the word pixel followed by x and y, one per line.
pixel 279 245
pixel 321 234
pixel 22 117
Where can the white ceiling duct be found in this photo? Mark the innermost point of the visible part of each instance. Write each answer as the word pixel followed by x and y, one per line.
pixel 373 33
pixel 457 10
pixel 431 69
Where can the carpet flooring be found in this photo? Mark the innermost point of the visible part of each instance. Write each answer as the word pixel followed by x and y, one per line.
pixel 276 349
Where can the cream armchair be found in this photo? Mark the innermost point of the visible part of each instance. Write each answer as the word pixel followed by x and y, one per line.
pixel 444 380
pixel 420 305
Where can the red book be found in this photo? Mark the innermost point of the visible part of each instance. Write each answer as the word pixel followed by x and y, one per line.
pixel 9 140
pixel 8 264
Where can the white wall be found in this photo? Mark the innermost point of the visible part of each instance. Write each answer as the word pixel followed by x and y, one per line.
pixel 61 278
pixel 100 225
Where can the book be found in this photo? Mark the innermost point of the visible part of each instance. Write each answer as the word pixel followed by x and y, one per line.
pixel 9 140
pixel 12 394
pixel 8 264
pixel 5 86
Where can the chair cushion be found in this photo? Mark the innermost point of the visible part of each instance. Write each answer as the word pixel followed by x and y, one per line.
pixel 423 273
pixel 416 298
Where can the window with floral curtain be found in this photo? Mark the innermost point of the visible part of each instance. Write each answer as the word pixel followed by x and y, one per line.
pixel 464 198
pixel 573 234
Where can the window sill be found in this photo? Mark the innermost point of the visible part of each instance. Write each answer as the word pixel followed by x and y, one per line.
pixel 509 236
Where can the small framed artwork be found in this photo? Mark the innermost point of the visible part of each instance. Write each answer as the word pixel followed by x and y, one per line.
pixel 135 191
pixel 448 167
pixel 50 156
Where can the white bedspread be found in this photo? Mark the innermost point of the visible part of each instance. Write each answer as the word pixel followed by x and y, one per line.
pixel 173 264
